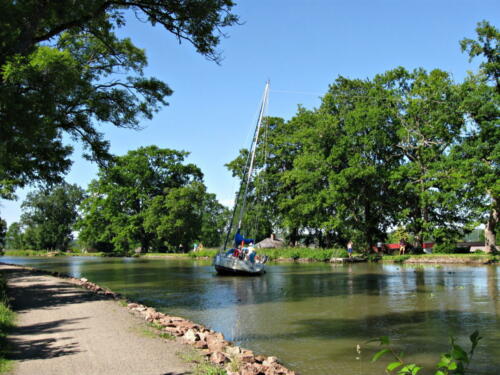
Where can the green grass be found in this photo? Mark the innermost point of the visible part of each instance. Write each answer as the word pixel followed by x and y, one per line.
pixel 202 367
pixel 44 253
pixel 210 253
pixel 286 253
pixel 156 330
pixel 321 255
pixel 6 323
pixel 402 258
pixel 180 255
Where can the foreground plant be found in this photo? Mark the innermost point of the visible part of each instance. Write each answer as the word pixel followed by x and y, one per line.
pixel 456 361
pixel 6 323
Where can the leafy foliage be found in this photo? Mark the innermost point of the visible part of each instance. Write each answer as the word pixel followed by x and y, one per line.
pixel 3 233
pixel 407 148
pixel 478 155
pixel 7 317
pixel 14 237
pixel 64 72
pixel 456 361
pixel 148 199
pixel 48 218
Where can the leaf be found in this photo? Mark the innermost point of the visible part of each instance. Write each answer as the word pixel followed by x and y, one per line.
pixel 383 340
pixel 444 362
pixel 439 372
pixel 474 338
pixel 459 354
pixel 415 369
pixel 380 354
pixel 393 365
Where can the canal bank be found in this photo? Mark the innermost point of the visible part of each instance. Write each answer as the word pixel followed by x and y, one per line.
pixel 65 329
pixel 313 315
pixel 300 255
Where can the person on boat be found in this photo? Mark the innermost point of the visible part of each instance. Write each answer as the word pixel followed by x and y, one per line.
pixel 240 240
pixel 251 253
pixel 236 252
pixel 230 252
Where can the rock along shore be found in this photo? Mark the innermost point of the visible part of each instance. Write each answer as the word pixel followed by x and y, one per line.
pixel 212 345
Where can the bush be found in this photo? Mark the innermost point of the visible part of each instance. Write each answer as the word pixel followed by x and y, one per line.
pixel 444 248
pixel 6 323
pixel 205 253
pixel 415 250
pixel 321 255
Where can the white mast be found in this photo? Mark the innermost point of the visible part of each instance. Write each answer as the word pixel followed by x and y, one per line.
pixel 262 113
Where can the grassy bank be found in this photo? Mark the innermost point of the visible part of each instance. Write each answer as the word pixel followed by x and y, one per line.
pixel 290 253
pixel 45 253
pixel 6 323
pixel 166 255
pixel 442 258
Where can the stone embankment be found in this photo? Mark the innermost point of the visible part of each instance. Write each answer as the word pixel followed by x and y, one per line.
pixel 212 345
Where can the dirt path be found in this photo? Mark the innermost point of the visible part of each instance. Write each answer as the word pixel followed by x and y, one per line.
pixel 62 329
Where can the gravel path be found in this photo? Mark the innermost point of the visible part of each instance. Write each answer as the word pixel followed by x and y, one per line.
pixel 62 329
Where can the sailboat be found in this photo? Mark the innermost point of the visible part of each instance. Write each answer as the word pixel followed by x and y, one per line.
pixel 237 260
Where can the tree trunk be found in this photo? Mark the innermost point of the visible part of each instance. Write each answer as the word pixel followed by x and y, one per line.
pixel 490 229
pixel 294 236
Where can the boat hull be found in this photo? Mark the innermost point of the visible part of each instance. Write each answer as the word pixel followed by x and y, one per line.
pixel 229 265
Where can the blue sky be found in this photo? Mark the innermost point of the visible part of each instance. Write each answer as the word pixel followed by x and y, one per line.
pixel 301 47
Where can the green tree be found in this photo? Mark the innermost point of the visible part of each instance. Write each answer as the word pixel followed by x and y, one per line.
pixel 478 155
pixel 3 233
pixel 175 218
pixel 427 108
pixel 49 216
pixel 64 73
pixel 487 45
pixel 214 221
pixel 262 215
pixel 146 198
pixel 15 237
pixel 357 138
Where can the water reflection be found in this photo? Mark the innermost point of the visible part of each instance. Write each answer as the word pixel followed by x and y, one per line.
pixel 313 315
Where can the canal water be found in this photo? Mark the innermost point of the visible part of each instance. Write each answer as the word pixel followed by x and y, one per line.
pixel 313 316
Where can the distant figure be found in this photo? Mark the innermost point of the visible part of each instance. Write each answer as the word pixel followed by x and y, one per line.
pixel 195 246
pixel 349 248
pixel 379 247
pixel 251 253
pixel 402 246
pixel 200 246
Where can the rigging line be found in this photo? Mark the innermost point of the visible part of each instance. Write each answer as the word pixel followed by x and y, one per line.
pixel 247 169
pixel 253 149
pixel 238 194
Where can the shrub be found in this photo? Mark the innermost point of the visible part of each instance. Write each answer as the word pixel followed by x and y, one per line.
pixel 415 250
pixel 6 323
pixel 210 253
pixel 444 248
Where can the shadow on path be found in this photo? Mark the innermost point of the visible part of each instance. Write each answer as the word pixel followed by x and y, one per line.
pixel 35 294
pixel 43 340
